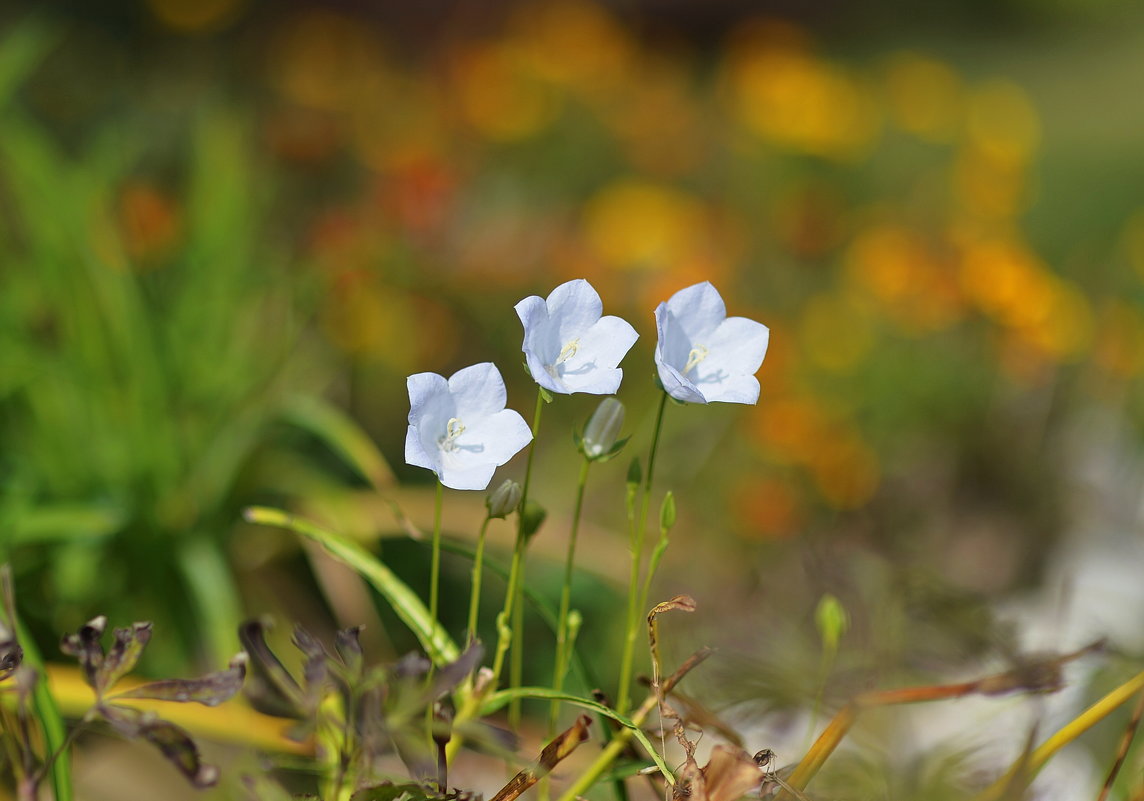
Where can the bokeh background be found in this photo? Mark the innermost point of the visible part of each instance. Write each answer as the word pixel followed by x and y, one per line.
pixel 228 227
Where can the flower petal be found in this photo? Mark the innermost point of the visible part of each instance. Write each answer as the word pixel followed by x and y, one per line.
pixel 699 309
pixel 735 389
pixel 478 391
pixel 573 308
pixel 593 368
pixel 735 351
pixel 494 439
pixel 416 453
pixel 425 389
pixel 677 386
pixel 539 333
pixel 673 345
pixel 468 476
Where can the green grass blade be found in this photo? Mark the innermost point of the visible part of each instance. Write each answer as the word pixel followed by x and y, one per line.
pixel 51 722
pixel 546 611
pixel 504 697
pixel 343 435
pixel 433 638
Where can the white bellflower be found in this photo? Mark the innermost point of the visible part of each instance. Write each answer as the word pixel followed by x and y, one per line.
pixel 460 428
pixel 704 356
pixel 569 346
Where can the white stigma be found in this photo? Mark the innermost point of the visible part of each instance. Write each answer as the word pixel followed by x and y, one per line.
pixel 453 429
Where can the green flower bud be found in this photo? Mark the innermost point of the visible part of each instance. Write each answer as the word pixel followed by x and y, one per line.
pixel 667 512
pixel 833 621
pixel 532 517
pixel 504 500
pixel 601 438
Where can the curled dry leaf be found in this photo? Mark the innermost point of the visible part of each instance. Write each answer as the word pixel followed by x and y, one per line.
pixel 553 753
pixel 269 687
pixel 174 743
pixel 209 690
pixel 85 646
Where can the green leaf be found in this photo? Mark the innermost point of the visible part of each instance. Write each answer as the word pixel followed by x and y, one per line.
pixel 343 435
pixel 63 522
pixel 433 638
pixel 507 696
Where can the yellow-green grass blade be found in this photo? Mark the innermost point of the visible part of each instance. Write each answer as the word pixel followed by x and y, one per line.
pixel 506 696
pixel 432 636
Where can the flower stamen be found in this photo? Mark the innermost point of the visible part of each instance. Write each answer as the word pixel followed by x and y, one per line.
pixel 568 351
pixel 453 429
pixel 697 354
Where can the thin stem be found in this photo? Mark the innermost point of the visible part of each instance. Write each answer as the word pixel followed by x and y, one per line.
pixel 434 587
pixel 504 629
pixel 632 629
pixel 435 567
pixel 475 597
pixel 516 674
pixel 560 669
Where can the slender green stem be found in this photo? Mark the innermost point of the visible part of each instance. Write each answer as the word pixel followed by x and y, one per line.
pixel 632 630
pixel 560 669
pixel 653 565
pixel 435 568
pixel 478 566
pixel 434 587
pixel 504 629
pixel 516 674
pixel 47 712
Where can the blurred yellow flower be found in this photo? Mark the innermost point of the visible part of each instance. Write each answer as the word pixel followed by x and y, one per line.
pixel 925 96
pixel 899 268
pixel 499 95
pixel 574 43
pixel 1045 312
pixel 633 224
pixel 1002 121
pixel 989 187
pixel 788 96
pixel 323 60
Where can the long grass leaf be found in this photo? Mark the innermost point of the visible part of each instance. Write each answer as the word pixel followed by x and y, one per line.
pixel 51 722
pixel 504 697
pixel 343 435
pixel 433 638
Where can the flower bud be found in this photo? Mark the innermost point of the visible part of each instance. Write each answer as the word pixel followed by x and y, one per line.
pixel 833 621
pixel 601 438
pixel 667 512
pixel 504 500
pixel 532 517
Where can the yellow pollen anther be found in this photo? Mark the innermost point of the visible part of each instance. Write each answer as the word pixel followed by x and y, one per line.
pixel 697 354
pixel 568 351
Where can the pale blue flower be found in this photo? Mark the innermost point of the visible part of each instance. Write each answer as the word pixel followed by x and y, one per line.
pixel 702 354
pixel 460 428
pixel 569 347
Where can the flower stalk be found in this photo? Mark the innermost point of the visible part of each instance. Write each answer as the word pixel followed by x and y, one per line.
pixel 563 644
pixel 631 631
